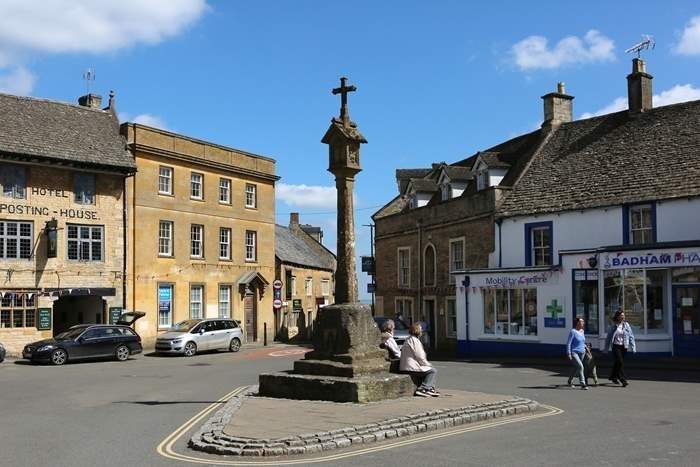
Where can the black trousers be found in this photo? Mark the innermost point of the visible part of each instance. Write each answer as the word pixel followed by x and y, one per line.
pixel 618 370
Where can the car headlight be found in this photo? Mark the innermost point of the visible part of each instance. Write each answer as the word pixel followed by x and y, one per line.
pixel 44 348
pixel 176 341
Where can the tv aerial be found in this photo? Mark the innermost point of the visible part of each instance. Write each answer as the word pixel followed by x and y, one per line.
pixel 88 76
pixel 646 44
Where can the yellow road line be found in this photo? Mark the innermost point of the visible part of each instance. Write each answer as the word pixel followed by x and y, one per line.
pixel 165 448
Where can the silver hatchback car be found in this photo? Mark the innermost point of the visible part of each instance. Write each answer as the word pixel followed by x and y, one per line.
pixel 197 335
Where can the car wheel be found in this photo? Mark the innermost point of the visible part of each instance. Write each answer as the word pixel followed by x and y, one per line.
pixel 190 349
pixel 122 353
pixel 59 357
pixel 235 345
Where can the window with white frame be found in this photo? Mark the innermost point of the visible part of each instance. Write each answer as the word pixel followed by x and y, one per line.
pixel 165 305
pixel 84 188
pixel 16 240
pixel 196 241
pixel 482 178
pixel 224 243
pixel 251 241
pixel 451 317
pixel 294 286
pixel 165 180
pixel 325 287
pixel 541 246
pixel 13 180
pixel 510 312
pixel 251 195
pixel 404 263
pixel 196 301
pixel 225 190
pixel 641 224
pixel 309 287
pixel 165 238
pixel 85 242
pixel 446 191
pixel 224 301
pixel 196 188
pixel 456 257
pixel 404 309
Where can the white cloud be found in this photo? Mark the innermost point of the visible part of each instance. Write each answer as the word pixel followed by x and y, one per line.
pixel 17 80
pixel 690 38
pixel 29 27
pixel 533 52
pixel 678 93
pixel 305 196
pixel 145 119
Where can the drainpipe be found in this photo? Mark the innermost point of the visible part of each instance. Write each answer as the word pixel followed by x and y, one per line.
pixel 500 251
pixel 420 268
pixel 133 243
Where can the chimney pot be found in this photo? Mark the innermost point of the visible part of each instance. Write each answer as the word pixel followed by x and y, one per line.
pixel 293 218
pixel 93 101
pixel 639 90
pixel 558 106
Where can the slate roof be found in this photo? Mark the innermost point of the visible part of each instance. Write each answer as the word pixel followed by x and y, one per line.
pixel 56 131
pixel 494 160
pixel 291 249
pixel 613 159
pixel 424 185
pixel 458 173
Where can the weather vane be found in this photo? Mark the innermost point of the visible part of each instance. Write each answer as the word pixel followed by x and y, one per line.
pixel 646 44
pixel 88 76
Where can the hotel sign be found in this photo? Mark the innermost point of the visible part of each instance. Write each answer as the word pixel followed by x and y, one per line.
pixel 36 209
pixel 651 259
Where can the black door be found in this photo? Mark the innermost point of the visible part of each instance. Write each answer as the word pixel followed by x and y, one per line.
pixel 586 299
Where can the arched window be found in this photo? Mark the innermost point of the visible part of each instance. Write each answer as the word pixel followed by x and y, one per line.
pixel 429 266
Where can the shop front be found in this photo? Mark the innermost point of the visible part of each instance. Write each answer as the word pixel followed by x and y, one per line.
pixel 531 310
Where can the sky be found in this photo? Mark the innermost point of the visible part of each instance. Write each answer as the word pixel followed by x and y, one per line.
pixel 436 81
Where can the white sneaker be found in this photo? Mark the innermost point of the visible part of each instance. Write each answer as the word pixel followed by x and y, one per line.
pixel 421 393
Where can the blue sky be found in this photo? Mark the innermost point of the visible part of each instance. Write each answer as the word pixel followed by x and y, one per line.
pixel 437 81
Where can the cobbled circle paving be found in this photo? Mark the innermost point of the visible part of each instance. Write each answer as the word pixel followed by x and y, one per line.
pixel 211 438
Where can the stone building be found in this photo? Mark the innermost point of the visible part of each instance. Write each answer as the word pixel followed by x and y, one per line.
pixel 441 221
pixel 306 269
pixel 201 232
pixel 63 169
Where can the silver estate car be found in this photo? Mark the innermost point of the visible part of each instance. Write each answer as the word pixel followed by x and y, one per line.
pixel 197 335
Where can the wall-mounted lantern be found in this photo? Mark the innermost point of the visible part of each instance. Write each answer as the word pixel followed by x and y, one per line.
pixel 51 230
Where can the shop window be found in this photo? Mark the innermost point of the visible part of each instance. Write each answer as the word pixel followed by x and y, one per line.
pixel 510 312
pixel 84 188
pixel 224 301
pixel 18 310
pixel 196 300
pixel 85 242
pixel 451 315
pixel 404 263
pixel 639 293
pixel 429 266
pixel 15 240
pixel 13 181
pixel 538 244
pixel 165 180
pixel 639 224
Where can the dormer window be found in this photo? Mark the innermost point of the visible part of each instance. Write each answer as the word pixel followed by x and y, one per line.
pixel 446 191
pixel 482 180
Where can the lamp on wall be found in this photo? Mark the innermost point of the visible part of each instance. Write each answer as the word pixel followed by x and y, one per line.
pixel 593 261
pixel 51 229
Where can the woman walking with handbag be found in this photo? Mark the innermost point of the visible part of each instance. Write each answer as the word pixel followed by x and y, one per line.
pixel 621 337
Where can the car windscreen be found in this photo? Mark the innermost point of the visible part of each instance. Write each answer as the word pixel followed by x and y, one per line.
pixel 400 325
pixel 185 326
pixel 70 334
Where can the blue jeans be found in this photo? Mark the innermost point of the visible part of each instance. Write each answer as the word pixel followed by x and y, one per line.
pixel 428 378
pixel 577 361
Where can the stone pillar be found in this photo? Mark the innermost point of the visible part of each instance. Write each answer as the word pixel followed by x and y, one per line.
pixel 345 275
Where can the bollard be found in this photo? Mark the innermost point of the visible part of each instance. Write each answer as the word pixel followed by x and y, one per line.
pixel 265 334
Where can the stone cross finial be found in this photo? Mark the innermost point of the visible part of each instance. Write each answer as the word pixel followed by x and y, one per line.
pixel 343 90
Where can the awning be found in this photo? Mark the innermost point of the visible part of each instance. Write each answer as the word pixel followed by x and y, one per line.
pixel 253 278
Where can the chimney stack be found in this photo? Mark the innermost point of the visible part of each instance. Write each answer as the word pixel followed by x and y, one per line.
pixel 93 101
pixel 639 87
pixel 293 219
pixel 558 107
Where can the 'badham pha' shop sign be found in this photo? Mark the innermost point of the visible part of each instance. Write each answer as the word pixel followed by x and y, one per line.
pixel 651 259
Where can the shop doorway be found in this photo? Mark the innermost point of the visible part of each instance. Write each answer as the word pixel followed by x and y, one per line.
pixel 429 316
pixel 586 299
pixel 71 310
pixel 686 320
pixel 250 309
